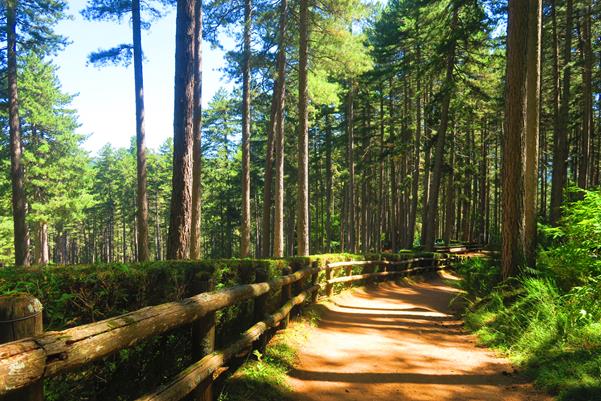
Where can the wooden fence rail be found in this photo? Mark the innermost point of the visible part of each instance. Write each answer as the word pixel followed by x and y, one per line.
pixel 24 363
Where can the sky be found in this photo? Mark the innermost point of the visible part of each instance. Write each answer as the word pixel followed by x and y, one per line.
pixel 105 96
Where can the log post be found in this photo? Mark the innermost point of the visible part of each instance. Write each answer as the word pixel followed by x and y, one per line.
pixel 203 343
pixel 260 308
pixel 286 296
pixel 297 288
pixel 21 317
pixel 329 286
pixel 314 277
pixel 383 267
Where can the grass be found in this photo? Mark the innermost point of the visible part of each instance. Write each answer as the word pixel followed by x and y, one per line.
pixel 553 335
pixel 263 377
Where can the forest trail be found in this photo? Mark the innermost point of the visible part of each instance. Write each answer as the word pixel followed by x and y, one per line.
pixel 401 342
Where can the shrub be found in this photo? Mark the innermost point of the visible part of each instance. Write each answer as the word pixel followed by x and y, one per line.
pixel 479 275
pixel 572 253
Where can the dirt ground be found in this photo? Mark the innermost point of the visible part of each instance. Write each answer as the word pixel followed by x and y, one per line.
pixel 401 342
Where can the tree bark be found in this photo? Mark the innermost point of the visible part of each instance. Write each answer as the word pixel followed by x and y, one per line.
pixel 416 161
pixel 303 134
pixel 19 203
pixel 393 173
pixel 329 183
pixel 432 206
pixel 532 128
pixel 245 229
pixel 196 229
pixel 178 244
pixel 142 197
pixel 350 121
pixel 380 216
pixel 279 138
pixel 450 196
pixel 587 99
pixel 157 216
pixel 560 145
pixel 42 256
pixel 265 248
pixel 483 188
pixel 512 256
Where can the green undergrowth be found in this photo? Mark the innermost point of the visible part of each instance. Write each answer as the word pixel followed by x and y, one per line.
pixel 552 334
pixel 263 377
pixel 548 319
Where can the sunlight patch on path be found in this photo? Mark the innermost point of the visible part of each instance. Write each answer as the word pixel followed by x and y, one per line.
pixel 400 342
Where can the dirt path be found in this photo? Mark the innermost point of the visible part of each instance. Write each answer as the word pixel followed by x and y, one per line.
pixel 402 343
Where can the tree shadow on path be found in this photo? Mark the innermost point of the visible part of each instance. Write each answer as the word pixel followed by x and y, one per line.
pixel 400 341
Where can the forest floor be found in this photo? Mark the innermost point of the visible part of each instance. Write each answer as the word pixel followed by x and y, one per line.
pixel 394 342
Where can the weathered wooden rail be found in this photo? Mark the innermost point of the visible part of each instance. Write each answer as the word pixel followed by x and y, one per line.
pixel 25 363
pixel 458 249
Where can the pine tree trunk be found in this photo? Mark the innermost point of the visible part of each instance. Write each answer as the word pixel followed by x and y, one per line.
pixel 245 229
pixel 512 256
pixel 483 187
pixel 329 183
pixel 291 221
pixel 587 99
pixel 178 243
pixel 196 228
pixel 350 157
pixel 380 216
pixel 532 128
pixel 450 196
pixel 157 228
pixel 19 204
pixel 303 134
pixel 432 206
pixel 416 161
pixel 42 256
pixel 142 198
pixel 426 186
pixel 560 146
pixel 278 134
pixel 362 195
pixel 467 188
pixel 265 248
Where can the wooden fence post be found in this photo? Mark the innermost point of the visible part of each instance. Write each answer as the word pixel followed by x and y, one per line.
pixel 260 308
pixel 383 267
pixel 286 296
pixel 329 286
pixel 314 278
pixel 21 317
pixel 203 343
pixel 297 288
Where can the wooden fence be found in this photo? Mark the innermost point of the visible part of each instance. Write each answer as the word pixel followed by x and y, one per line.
pixel 458 249
pixel 36 355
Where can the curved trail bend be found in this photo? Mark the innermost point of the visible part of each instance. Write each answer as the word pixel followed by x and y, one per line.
pixel 399 342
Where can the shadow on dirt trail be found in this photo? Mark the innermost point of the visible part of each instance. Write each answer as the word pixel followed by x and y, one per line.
pixel 401 342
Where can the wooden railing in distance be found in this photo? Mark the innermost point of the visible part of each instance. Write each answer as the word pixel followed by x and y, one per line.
pixel 24 363
pixel 458 249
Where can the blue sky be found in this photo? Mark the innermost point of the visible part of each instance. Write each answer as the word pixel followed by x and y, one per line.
pixel 105 100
